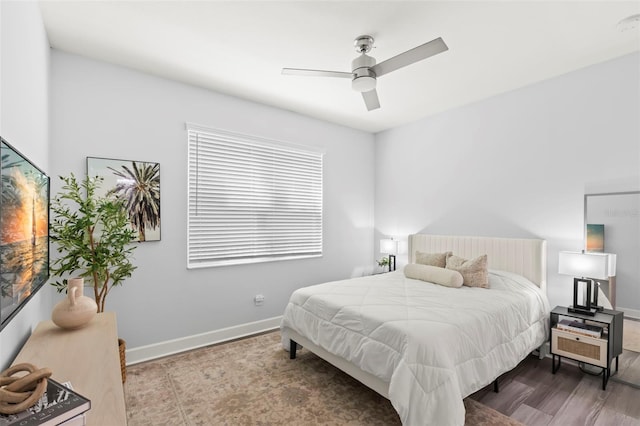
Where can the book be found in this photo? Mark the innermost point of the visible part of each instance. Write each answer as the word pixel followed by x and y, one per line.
pixel 79 420
pixel 579 327
pixel 58 404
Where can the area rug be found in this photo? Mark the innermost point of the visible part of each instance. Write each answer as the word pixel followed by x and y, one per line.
pixel 252 382
pixel 631 335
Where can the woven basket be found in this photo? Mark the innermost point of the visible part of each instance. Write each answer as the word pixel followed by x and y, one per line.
pixel 122 345
pixel 579 348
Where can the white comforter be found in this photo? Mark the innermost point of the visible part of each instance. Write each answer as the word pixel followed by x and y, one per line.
pixel 434 345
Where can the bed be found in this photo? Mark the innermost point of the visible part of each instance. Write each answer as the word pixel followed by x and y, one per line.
pixel 426 346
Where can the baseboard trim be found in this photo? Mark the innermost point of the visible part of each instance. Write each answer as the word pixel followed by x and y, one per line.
pixel 171 347
pixel 628 312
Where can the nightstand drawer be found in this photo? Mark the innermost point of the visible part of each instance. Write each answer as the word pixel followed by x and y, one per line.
pixel 579 348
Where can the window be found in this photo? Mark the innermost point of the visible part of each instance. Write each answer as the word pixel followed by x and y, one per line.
pixel 251 199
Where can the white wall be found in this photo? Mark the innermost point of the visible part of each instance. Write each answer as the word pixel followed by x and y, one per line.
pixel 517 164
pixel 24 123
pixel 102 110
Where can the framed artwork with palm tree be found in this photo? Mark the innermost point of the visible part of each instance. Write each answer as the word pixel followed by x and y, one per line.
pixel 138 183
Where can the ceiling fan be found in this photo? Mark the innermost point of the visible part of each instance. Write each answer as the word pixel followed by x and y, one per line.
pixel 365 71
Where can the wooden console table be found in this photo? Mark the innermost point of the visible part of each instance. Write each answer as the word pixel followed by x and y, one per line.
pixel 88 358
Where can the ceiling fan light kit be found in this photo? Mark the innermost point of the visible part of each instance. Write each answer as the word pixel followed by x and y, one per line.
pixel 365 71
pixel 364 79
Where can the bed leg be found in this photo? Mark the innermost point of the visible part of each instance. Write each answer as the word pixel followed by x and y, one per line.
pixel 496 388
pixel 542 351
pixel 292 349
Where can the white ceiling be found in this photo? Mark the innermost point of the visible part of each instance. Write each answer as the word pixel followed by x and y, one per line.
pixel 240 47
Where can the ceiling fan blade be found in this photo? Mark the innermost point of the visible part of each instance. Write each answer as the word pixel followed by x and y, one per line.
pixel 316 73
pixel 371 99
pixel 409 57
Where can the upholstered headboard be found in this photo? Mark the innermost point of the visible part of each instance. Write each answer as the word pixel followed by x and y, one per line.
pixel 526 257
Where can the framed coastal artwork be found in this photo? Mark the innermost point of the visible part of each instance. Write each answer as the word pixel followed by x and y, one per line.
pixel 24 231
pixel 138 184
pixel 595 238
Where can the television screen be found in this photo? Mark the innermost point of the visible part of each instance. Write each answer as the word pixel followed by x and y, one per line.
pixel 24 231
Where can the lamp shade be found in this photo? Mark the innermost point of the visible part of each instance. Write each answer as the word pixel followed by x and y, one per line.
pixel 587 265
pixel 389 246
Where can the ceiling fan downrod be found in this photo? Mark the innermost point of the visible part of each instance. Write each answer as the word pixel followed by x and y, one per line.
pixel 364 79
pixel 363 43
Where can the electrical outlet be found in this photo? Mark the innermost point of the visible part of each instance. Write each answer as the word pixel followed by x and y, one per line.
pixel 258 300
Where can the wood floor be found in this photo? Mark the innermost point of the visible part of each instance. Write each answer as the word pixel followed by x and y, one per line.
pixel 534 396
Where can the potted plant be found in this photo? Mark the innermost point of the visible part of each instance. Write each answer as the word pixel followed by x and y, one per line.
pixel 92 237
pixel 383 263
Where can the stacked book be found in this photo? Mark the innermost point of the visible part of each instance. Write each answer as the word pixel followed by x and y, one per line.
pixel 580 327
pixel 59 405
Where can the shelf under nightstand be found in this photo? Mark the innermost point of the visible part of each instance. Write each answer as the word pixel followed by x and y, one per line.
pixel 595 351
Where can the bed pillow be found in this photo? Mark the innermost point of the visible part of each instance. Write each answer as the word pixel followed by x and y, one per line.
pixel 474 271
pixel 433 274
pixel 433 259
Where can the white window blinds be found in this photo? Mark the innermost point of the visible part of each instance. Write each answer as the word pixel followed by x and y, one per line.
pixel 251 199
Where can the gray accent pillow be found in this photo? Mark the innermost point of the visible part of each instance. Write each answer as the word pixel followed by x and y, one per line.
pixel 433 274
pixel 433 259
pixel 474 271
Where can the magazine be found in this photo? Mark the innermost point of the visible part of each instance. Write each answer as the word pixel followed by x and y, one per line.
pixel 579 327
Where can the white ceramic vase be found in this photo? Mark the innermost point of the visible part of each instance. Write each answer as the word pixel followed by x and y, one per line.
pixel 76 310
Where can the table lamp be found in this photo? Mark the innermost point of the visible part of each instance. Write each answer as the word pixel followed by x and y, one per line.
pixel 588 266
pixel 390 247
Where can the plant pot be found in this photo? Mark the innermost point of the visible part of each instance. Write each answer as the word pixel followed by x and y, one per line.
pixel 122 346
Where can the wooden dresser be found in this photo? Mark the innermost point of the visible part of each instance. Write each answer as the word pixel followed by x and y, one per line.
pixel 88 358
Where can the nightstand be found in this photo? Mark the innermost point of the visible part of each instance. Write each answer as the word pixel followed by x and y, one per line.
pixel 582 348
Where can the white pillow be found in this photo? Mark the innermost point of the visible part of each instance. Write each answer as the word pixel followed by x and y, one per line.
pixel 433 274
pixel 473 271
pixel 433 259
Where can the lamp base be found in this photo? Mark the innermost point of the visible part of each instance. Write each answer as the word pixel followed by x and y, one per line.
pixel 583 311
pixel 392 262
pixel 586 309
